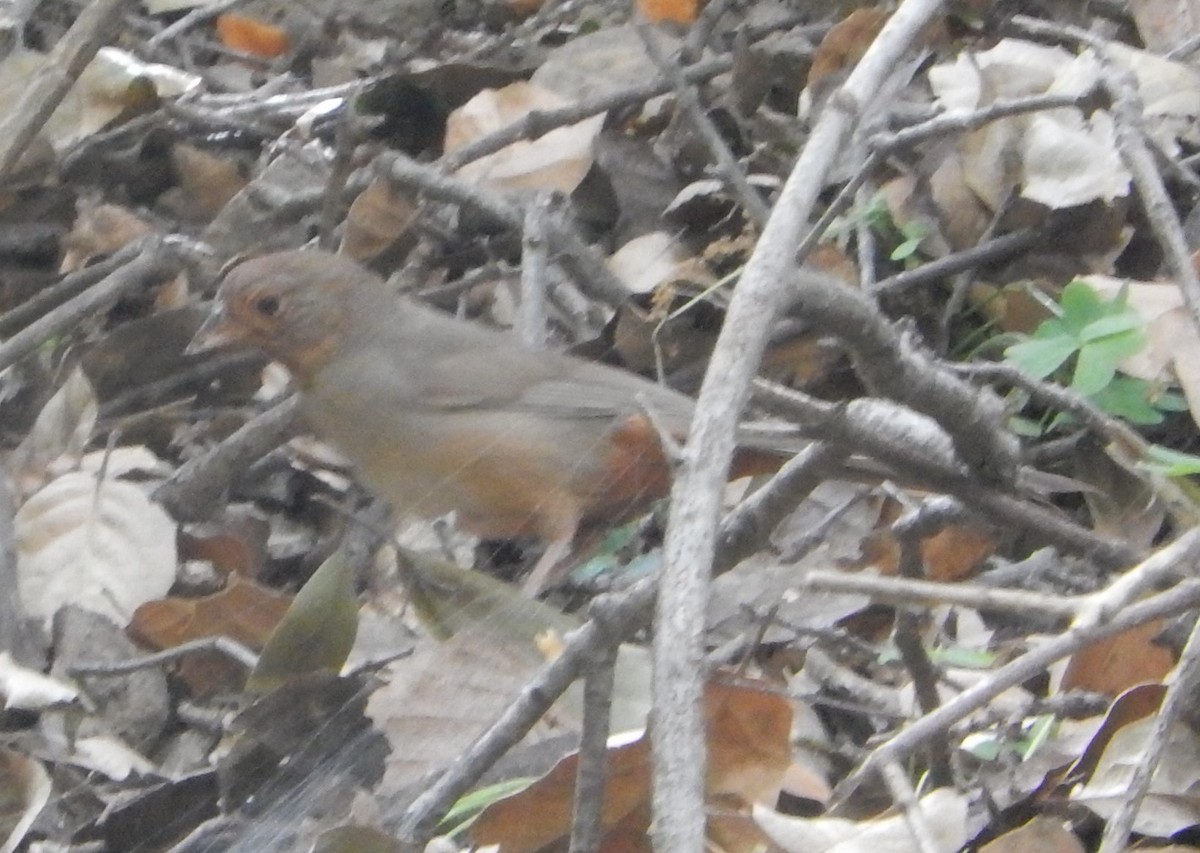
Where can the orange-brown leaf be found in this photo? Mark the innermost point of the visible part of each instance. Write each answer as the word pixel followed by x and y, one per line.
pixel 243 611
pixel 250 35
pixel 677 11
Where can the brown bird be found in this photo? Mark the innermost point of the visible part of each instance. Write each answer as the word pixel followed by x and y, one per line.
pixel 439 414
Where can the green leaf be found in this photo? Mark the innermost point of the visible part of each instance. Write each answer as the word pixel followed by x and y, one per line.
pixel 1094 370
pixel 1171 463
pixel 1026 427
pixel 1169 401
pixel 1041 357
pixel 1038 734
pixel 317 631
pixel 463 813
pixel 1053 328
pixel 905 250
pixel 1097 362
pixel 1080 306
pixel 878 216
pixel 1124 323
pixel 1128 398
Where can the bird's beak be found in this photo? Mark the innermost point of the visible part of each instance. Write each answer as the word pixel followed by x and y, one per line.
pixel 217 332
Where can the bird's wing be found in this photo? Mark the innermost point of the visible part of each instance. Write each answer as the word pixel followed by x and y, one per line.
pixel 548 384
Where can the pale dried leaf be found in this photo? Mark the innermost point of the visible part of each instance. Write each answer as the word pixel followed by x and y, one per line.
pixel 110 756
pixel 1165 24
pixel 104 546
pixel 24 791
pixel 1068 163
pixel 648 261
pixel 101 93
pixel 61 429
pixel 944 811
pixel 29 690
pixel 1065 159
pixel 557 160
pixel 1173 801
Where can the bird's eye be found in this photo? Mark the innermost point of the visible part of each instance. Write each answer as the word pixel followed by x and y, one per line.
pixel 267 306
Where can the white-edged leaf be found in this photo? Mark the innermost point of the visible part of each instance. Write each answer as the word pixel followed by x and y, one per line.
pixel 30 690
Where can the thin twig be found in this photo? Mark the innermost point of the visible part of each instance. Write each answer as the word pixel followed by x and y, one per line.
pixel 726 164
pixel 903 591
pixel 68 286
pixel 148 262
pixel 195 489
pixel 906 798
pixel 893 436
pixel 592 772
pixel 535 284
pixel 224 645
pixel 678 751
pixel 539 122
pixel 1172 602
pixel 575 256
pixel 42 95
pixel 991 251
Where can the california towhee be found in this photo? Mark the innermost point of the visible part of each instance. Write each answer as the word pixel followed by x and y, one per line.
pixel 440 414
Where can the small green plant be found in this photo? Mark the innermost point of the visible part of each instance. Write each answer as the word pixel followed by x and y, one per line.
pixel 905 238
pixel 1083 347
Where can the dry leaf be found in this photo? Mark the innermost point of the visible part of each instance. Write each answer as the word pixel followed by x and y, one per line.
pixel 541 814
pixel 1058 159
pixel 113 83
pixel 676 11
pixel 845 43
pixel 103 545
pixel 1115 664
pixel 944 810
pixel 62 429
pixel 523 8
pixel 1172 803
pixel 557 160
pixel 100 229
pixel 378 217
pixel 250 35
pixel 1041 835
pixel 243 611
pixel 30 690
pixel 317 631
pixel 747 727
pixel 24 791
pixel 207 182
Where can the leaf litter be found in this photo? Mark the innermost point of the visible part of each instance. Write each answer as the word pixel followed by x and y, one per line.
pixel 991 191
